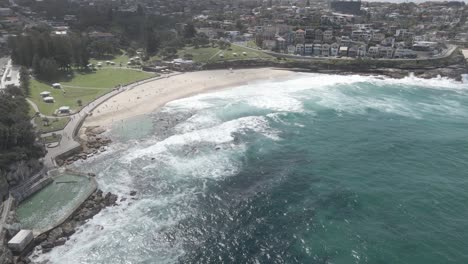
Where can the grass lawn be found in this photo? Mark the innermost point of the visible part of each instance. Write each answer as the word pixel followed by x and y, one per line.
pixel 54 124
pixel 85 87
pixel 211 54
pixel 106 78
pixel 117 59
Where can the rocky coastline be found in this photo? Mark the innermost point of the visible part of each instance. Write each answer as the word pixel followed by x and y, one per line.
pixel 61 234
pixel 452 68
pixel 92 143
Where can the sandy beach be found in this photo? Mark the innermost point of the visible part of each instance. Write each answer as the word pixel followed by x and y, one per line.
pixel 150 96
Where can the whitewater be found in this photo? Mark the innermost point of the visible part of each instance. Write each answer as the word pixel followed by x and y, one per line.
pixel 314 169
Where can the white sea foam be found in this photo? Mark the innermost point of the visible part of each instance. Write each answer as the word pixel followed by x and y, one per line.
pixel 219 134
pixel 132 232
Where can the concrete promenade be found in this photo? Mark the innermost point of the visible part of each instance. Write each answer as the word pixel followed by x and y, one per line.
pixel 70 140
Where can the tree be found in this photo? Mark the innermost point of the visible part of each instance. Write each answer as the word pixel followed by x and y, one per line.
pixel 131 52
pixel 36 64
pixel 152 42
pixel 24 80
pixel 240 26
pixel 224 44
pixel 188 56
pixel 79 102
pixel 17 136
pixel 168 52
pixel 189 31
pixel 46 121
pixel 48 69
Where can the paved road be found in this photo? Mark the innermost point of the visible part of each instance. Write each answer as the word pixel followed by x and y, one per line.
pixel 69 141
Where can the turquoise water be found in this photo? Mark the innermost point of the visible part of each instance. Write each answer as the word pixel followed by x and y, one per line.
pixel 48 206
pixel 317 169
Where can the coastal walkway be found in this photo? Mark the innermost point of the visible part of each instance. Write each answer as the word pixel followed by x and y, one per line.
pixel 70 141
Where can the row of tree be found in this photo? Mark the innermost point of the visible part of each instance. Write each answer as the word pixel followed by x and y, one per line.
pixel 48 54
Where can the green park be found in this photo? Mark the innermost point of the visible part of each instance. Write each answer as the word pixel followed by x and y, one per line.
pixel 77 89
pixel 210 54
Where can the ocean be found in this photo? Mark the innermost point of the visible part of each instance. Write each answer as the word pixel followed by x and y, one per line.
pixel 315 169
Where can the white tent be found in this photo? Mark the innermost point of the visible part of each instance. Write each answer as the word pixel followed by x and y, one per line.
pixel 48 99
pixel 64 109
pixel 56 85
pixel 45 94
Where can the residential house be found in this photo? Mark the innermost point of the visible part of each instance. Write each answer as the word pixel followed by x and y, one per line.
pixel 343 51
pixel 300 49
pixel 386 52
pixel 377 37
pixel 325 50
pixel 309 35
pixel 308 49
pixel 361 52
pixel 300 36
pixel 318 35
pixel 404 53
pixel 352 51
pixel 328 36
pixel 317 49
pixel 280 44
pixel 373 52
pixel 334 48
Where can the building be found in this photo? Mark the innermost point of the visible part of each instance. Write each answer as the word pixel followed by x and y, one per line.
pixel 404 53
pixel 328 36
pixel 343 51
pixel 21 240
pixel 300 36
pixel 334 48
pixel 280 44
pixel 308 49
pixel 353 51
pixel 386 52
pixel 373 52
pixel 300 49
pixel 317 49
pixel 361 52
pixel 318 35
pixel 325 50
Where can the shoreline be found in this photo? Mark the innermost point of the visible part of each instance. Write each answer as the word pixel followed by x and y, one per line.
pixel 151 96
